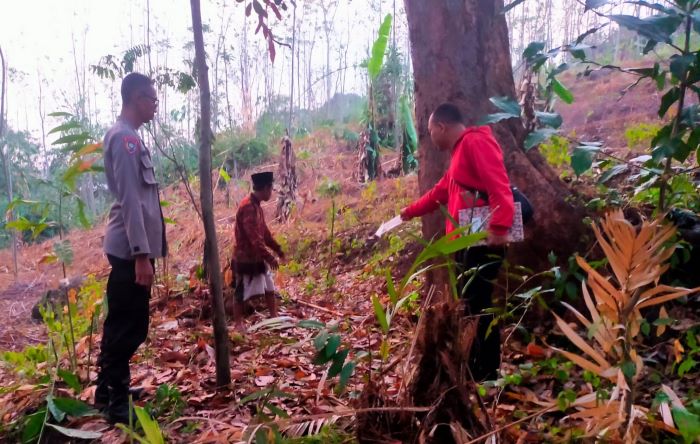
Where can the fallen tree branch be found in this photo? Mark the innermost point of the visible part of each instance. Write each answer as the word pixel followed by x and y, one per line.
pixel 318 307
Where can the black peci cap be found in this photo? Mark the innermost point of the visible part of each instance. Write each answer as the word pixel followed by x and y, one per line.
pixel 261 180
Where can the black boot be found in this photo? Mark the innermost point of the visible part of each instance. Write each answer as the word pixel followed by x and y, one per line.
pixel 102 389
pixel 101 396
pixel 118 410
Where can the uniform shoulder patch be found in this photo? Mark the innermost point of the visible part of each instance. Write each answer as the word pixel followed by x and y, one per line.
pixel 131 144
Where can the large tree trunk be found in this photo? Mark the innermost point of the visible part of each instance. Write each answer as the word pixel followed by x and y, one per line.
pixel 211 248
pixel 460 54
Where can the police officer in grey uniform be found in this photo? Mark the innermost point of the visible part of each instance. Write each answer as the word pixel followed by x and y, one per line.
pixel 135 236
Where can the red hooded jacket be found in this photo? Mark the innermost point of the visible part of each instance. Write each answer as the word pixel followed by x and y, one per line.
pixel 476 164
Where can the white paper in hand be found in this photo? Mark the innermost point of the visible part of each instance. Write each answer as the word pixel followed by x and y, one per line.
pixel 388 226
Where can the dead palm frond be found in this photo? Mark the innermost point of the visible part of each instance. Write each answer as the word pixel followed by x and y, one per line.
pixel 637 257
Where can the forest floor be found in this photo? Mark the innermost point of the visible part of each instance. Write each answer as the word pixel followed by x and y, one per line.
pixel 327 279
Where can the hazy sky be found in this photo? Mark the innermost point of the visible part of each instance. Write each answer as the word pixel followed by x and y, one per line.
pixel 38 38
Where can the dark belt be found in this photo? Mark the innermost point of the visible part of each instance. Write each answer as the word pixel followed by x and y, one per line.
pixel 248 267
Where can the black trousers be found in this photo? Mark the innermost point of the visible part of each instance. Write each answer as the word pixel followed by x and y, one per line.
pixel 485 356
pixel 125 328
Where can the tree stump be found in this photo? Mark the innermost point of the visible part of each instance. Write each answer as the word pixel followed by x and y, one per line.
pixel 438 379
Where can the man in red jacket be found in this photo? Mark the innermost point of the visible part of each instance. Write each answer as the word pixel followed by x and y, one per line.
pixel 476 175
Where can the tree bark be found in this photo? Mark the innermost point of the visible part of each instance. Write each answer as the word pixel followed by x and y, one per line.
pixel 211 249
pixel 287 178
pixel 461 54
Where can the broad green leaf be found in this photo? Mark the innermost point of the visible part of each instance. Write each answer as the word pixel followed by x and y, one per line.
pixel 82 218
pixel 553 120
pixel 60 114
pixel 538 136
pixel 58 414
pixel 374 66
pixel 70 379
pixel 72 138
pixel 224 175
pixel 612 172
pixel 17 202
pixel 495 118
pixel 150 426
pixel 65 127
pixel 32 426
pixel 169 221
pixel 680 64
pixel 255 396
pixel 533 49
pixel 321 358
pixel 588 32
pixel 582 159
pixel 332 345
pixel 688 424
pixel 578 50
pixel 74 407
pixel 409 127
pixel 628 368
pixel 507 105
pixel 338 361
pixel 448 245
pixel 64 251
pixel 345 375
pixel 561 91
pixel 380 314
pixel 76 433
pixel 670 147
pixel 311 324
pixel 686 366
pixel 320 340
pixel 276 411
pixel 393 296
pixel 20 225
pixel 658 28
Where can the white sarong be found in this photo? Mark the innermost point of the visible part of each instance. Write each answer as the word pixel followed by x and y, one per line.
pixel 256 285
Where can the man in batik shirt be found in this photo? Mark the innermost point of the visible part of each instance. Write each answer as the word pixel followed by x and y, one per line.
pixel 253 260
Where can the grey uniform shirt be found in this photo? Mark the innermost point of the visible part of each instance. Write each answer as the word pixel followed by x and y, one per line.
pixel 136 223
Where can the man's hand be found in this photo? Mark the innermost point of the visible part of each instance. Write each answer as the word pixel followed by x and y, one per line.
pixel 144 270
pixel 404 216
pixel 495 240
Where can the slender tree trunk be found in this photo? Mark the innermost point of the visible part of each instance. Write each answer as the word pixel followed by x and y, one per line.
pixel 299 74
pixel 395 99
pixel 247 108
pixel 291 72
pixel 309 79
pixel 223 372
pixel 42 119
pixel 473 38
pixel 327 23
pixel 4 154
pixel 229 112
